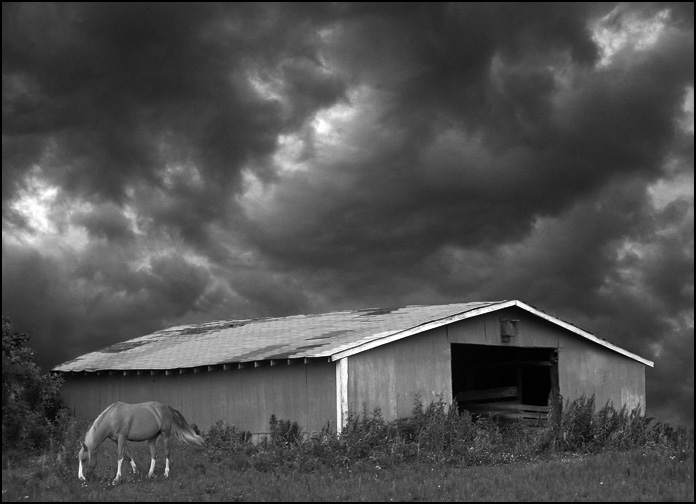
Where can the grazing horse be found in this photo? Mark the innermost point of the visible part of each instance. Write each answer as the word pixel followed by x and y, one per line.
pixel 123 422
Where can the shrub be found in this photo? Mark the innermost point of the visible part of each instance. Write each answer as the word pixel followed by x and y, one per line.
pixel 576 427
pixel 285 432
pixel 223 441
pixel 438 431
pixel 366 435
pixel 32 411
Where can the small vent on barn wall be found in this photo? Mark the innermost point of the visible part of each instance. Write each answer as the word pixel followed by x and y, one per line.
pixel 508 329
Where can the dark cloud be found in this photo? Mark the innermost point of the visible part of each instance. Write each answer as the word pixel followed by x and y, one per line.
pixel 81 301
pixel 669 399
pixel 106 221
pixel 113 94
pixel 170 164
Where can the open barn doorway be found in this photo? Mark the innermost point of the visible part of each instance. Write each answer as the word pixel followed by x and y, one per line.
pixel 508 383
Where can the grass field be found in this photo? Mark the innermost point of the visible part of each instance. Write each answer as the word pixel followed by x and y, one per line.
pixel 636 475
pixel 437 454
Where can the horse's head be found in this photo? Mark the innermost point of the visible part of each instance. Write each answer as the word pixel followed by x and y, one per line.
pixel 87 459
pixel 87 456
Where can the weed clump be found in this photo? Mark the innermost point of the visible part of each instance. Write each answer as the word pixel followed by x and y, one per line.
pixel 438 433
pixel 285 432
pixel 576 426
pixel 226 441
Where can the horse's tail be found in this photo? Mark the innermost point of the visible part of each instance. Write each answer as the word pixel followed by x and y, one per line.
pixel 183 431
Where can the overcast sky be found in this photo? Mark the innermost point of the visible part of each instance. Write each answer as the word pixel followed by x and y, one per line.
pixel 174 163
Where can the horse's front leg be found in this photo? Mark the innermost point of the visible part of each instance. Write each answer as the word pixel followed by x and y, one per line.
pixel 83 449
pixel 130 457
pixel 151 444
pixel 121 447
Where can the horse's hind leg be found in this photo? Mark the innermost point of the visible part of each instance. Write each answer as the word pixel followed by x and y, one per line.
pixel 165 440
pixel 151 444
pixel 121 447
pixel 130 457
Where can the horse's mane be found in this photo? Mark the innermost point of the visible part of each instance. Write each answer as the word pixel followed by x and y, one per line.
pixel 89 437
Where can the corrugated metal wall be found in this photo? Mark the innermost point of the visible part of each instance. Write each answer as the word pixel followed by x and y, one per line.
pixel 244 397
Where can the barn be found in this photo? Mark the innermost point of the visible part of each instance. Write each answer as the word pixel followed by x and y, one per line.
pixel 501 357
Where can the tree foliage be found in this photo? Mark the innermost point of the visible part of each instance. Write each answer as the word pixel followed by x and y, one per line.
pixel 31 404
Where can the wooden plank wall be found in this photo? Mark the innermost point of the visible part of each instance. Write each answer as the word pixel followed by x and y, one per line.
pixel 244 397
pixel 390 376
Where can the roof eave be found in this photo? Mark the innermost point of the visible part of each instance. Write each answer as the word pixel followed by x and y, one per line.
pixel 199 368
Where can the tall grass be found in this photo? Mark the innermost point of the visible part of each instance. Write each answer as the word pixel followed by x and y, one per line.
pixel 577 426
pixel 439 433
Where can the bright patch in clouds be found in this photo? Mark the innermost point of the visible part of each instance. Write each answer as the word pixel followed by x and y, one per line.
pixel 182 173
pixel 252 198
pixel 620 30
pixel 329 124
pixel 35 204
pixel 47 219
pixel 129 212
pixel 267 89
pixel 290 154
pixel 688 121
pixel 665 191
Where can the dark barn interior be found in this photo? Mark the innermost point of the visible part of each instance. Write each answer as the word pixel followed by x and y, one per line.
pixel 504 382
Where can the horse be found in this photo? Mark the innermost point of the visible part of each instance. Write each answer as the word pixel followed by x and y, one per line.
pixel 123 422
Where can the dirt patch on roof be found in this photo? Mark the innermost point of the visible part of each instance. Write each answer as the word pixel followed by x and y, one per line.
pixel 124 346
pixel 376 311
pixel 331 334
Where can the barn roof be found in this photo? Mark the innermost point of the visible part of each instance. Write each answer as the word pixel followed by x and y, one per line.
pixel 329 336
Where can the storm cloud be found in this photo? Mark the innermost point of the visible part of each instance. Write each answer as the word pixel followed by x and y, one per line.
pixel 178 163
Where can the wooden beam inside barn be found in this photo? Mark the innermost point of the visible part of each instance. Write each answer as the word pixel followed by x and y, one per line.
pixel 492 393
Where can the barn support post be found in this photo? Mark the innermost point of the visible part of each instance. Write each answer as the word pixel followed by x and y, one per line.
pixel 341 393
